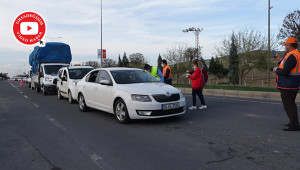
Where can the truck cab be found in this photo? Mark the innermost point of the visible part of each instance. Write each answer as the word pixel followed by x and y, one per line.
pixel 46 78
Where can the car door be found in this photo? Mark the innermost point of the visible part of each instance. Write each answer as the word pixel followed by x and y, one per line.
pixel 64 83
pixel 103 92
pixel 89 87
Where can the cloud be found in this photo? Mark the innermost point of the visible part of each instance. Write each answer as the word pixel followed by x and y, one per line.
pixel 146 26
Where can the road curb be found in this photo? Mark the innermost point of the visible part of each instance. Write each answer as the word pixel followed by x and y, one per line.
pixel 240 94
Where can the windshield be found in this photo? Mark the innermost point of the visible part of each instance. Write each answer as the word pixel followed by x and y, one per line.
pixel 132 76
pixel 52 69
pixel 78 73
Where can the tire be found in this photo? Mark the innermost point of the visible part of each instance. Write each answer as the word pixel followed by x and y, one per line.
pixel 82 104
pixel 59 96
pixel 121 112
pixel 71 100
pixel 44 91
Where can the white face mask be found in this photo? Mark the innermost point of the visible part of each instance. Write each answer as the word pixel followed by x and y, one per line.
pixel 162 65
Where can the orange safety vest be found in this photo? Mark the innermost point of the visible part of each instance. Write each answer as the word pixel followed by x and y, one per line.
pixel 165 71
pixel 291 81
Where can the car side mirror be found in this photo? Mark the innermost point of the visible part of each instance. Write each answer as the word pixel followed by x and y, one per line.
pixel 105 82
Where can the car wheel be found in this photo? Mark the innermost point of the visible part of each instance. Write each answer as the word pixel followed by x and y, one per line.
pixel 121 112
pixel 71 100
pixel 81 102
pixel 59 96
pixel 44 91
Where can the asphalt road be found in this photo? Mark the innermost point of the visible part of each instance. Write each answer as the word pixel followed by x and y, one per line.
pixel 42 132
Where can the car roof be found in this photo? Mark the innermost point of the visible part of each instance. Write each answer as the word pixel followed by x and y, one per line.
pixel 117 68
pixel 76 67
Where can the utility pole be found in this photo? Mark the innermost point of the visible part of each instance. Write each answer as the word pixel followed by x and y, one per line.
pixel 196 32
pixel 269 50
pixel 101 37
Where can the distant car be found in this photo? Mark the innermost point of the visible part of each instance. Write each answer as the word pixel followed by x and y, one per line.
pixel 129 94
pixel 67 80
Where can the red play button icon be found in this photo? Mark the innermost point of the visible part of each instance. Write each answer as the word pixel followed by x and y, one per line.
pixel 28 28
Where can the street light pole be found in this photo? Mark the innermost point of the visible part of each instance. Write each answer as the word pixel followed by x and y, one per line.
pixel 101 36
pixel 196 32
pixel 269 51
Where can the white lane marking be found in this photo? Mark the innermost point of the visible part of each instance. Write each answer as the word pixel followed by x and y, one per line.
pixel 12 85
pixel 55 122
pixel 26 96
pixel 96 158
pixel 21 92
pixel 35 105
pixel 240 100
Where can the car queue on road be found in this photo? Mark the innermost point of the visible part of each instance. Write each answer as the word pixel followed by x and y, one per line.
pixel 128 93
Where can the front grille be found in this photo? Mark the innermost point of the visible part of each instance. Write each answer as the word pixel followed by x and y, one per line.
pixel 166 112
pixel 165 98
pixel 55 81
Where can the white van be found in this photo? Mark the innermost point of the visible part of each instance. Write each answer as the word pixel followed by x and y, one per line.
pixel 67 81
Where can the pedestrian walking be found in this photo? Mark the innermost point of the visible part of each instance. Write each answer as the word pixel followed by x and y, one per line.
pixel 197 85
pixel 288 82
pixel 167 72
pixel 154 71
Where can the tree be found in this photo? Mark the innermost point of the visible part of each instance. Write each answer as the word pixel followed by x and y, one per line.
pixel 217 68
pixel 233 63
pixel 120 64
pixel 94 64
pixel 290 26
pixel 137 60
pixel 251 49
pixel 159 59
pixel 108 63
pixel 212 67
pixel 178 61
pixel 125 60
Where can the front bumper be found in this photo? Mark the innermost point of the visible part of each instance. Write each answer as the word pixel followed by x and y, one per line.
pixel 155 108
pixel 50 88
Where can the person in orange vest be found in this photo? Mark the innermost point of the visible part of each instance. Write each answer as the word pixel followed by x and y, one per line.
pixel 167 72
pixel 288 82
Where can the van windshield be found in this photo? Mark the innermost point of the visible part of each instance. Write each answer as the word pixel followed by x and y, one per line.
pixel 78 73
pixel 52 69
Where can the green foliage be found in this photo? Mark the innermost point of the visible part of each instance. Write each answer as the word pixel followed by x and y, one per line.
pixel 217 68
pixel 233 63
pixel 159 59
pixel 125 61
pixel 120 63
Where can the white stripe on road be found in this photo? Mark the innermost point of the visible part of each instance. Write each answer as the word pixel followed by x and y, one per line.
pixel 55 122
pixel 35 105
pixel 21 92
pixel 26 96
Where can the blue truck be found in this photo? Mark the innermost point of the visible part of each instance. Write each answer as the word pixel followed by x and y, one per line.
pixel 45 63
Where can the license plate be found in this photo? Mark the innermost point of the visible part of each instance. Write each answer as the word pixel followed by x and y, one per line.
pixel 169 106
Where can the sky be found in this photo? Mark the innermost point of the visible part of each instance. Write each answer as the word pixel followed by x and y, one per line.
pixel 150 27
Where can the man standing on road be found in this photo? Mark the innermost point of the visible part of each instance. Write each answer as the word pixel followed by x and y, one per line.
pixel 154 71
pixel 167 73
pixel 288 82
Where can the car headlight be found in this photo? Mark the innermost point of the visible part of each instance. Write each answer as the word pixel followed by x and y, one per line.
pixel 48 79
pixel 181 95
pixel 140 98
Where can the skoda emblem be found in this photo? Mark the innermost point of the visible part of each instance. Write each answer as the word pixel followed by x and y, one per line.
pixel 168 94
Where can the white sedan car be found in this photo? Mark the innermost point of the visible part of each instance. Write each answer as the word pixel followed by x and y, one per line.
pixel 129 93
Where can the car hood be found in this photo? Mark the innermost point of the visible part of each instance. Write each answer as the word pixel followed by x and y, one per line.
pixel 148 88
